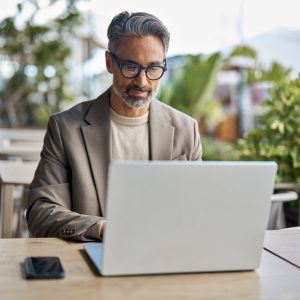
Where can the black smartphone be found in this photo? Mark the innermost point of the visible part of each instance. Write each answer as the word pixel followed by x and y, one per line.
pixel 43 267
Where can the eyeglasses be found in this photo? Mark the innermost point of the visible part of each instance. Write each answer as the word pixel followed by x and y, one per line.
pixel 132 70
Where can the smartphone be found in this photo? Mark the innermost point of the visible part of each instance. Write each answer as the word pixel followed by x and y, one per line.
pixel 43 267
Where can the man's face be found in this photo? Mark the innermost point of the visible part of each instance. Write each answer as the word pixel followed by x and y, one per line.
pixel 146 51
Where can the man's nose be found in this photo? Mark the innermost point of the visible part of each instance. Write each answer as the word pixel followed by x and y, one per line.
pixel 142 79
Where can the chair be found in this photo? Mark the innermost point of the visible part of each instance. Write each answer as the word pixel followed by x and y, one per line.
pixel 277 217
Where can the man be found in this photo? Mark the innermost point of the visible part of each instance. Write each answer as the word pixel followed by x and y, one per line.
pixel 68 193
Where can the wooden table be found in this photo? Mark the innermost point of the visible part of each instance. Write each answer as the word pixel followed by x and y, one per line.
pixel 22 134
pixel 285 244
pixel 25 144
pixel 12 173
pixel 26 152
pixel 275 279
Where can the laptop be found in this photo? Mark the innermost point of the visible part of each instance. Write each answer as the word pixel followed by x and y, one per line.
pixel 184 217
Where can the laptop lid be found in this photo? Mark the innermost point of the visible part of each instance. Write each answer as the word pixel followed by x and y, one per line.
pixel 178 217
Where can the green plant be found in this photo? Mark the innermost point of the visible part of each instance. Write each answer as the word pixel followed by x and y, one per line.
pixel 193 89
pixel 278 135
pixel 255 72
pixel 214 149
pixel 275 73
pixel 242 51
pixel 36 55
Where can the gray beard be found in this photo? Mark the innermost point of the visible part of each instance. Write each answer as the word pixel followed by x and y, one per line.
pixel 132 101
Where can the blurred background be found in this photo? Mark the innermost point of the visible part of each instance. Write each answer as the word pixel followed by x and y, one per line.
pixel 233 65
pixel 223 58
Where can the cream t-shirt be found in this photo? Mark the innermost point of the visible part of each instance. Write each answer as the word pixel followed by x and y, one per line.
pixel 129 137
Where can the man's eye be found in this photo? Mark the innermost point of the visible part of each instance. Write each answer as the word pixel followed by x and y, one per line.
pixel 154 69
pixel 131 68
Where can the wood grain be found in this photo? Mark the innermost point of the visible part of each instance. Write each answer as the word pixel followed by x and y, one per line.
pixel 275 279
pixel 284 243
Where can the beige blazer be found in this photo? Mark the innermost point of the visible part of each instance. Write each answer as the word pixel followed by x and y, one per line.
pixel 68 193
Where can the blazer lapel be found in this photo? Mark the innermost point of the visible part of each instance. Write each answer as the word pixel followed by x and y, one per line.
pixel 161 133
pixel 96 137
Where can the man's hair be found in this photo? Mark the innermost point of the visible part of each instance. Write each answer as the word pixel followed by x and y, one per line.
pixel 138 24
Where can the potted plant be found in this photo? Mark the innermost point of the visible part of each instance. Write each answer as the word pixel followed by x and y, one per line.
pixel 277 137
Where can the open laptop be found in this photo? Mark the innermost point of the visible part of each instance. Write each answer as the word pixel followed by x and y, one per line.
pixel 180 217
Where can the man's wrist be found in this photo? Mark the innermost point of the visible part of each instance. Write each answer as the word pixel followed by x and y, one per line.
pixel 93 232
pixel 101 229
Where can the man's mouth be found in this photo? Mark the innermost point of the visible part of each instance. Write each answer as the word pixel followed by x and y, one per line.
pixel 137 93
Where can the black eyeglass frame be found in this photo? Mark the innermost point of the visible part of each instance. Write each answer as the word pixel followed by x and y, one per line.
pixel 121 65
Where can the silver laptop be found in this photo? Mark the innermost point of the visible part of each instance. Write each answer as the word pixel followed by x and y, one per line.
pixel 180 217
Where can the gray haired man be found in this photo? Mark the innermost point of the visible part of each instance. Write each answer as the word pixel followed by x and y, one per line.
pixel 67 197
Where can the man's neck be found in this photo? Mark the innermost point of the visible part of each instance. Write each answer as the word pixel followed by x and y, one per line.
pixel 122 109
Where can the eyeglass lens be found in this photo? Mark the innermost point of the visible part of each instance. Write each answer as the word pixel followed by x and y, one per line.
pixel 132 70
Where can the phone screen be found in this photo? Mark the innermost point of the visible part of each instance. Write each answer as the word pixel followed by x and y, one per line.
pixel 43 267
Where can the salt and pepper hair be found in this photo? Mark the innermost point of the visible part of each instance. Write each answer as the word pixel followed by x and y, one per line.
pixel 138 24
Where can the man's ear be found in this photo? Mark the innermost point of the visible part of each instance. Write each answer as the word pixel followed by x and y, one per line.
pixel 109 63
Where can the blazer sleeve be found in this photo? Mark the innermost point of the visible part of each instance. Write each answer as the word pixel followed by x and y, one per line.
pixel 49 212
